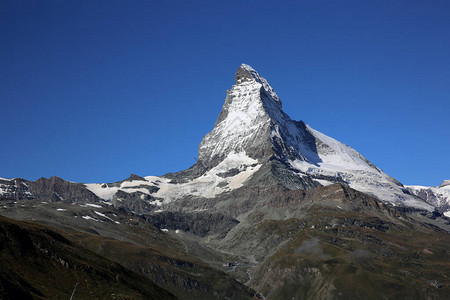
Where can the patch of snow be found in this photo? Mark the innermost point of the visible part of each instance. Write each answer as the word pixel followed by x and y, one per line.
pixel 93 205
pixel 105 216
pixel 208 185
pixel 324 182
pixel 165 230
pixel 447 214
pixel 89 218
pixel 61 209
pixel 134 183
pixel 105 193
pixel 238 180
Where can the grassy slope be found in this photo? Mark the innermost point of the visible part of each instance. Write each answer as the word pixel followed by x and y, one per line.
pixel 138 246
pixel 348 255
pixel 183 275
pixel 38 263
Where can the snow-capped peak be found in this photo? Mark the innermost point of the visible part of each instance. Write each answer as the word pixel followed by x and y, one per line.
pixel 252 130
pixel 247 73
pixel 252 121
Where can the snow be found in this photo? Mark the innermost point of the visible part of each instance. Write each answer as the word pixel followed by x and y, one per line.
pixel 208 185
pixel 105 193
pixel 337 160
pixel 324 182
pixel 61 209
pixel 165 230
pixel 105 216
pixel 440 195
pixel 252 117
pixel 244 123
pixel 57 195
pixel 133 183
pixel 9 188
pixel 238 180
pixel 93 205
pixel 262 81
pixel 447 214
pixel 89 218
pixel 101 214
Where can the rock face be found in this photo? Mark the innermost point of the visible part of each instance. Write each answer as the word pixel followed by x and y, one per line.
pixel 15 189
pixel 57 189
pixel 198 223
pixel 53 189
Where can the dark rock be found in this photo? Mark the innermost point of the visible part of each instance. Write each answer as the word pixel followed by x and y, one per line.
pixel 198 223
pixel 56 189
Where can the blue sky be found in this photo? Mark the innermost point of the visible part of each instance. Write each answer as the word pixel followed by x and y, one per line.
pixel 92 91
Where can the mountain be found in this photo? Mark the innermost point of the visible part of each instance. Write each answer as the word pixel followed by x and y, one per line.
pixel 438 196
pixel 252 134
pixel 272 209
pixel 252 138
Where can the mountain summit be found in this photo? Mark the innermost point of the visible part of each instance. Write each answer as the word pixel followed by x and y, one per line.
pixel 253 127
pixel 254 143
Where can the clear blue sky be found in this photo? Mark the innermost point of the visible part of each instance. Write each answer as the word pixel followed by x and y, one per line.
pixel 92 91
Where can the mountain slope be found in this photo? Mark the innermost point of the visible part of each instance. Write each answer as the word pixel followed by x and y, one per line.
pixel 38 263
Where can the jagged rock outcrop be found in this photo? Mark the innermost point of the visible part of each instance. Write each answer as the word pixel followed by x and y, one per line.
pixel 439 196
pixel 52 189
pixel 15 189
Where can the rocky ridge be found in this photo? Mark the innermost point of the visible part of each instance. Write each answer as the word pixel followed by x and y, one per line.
pixel 438 196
